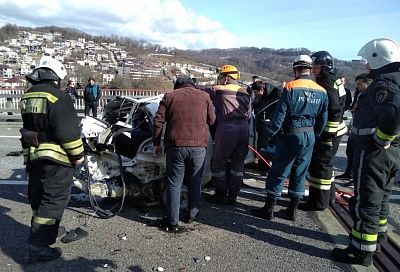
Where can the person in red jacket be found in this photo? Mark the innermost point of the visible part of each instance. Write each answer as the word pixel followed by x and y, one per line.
pixel 186 113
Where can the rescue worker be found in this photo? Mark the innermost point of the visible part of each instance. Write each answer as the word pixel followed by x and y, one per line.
pixel 301 113
pixel 362 82
pixel 233 109
pixel 378 157
pixel 91 96
pixel 321 174
pixel 51 146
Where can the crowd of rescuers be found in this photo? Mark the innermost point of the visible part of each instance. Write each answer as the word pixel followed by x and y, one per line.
pixel 302 119
pixel 306 126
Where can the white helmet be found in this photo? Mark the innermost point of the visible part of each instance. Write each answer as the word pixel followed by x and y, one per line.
pixel 56 66
pixel 380 52
pixel 302 61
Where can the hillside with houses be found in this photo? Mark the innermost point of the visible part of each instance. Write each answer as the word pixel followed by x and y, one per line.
pixel 124 63
pixel 111 64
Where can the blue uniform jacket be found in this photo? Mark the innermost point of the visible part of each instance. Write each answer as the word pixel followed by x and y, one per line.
pixel 303 103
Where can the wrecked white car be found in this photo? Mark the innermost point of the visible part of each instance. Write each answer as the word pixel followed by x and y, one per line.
pixel 119 161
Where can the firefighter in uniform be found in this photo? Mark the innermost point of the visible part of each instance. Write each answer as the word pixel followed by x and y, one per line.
pixel 301 113
pixel 51 147
pixel 378 153
pixel 233 110
pixel 321 174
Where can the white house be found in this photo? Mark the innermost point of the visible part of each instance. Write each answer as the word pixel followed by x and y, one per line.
pixel 23 69
pixel 107 78
pixel 5 71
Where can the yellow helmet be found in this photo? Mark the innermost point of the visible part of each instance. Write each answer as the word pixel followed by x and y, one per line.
pixel 230 70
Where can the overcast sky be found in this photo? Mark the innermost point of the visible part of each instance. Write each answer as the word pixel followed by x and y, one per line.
pixel 340 27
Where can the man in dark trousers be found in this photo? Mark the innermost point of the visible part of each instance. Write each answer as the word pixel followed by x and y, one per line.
pixel 51 147
pixel 91 96
pixel 362 82
pixel 321 174
pixel 301 113
pixel 233 108
pixel 377 156
pixel 187 113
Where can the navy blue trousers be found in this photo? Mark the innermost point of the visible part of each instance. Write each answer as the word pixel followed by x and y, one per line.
pixel 184 164
pixel 231 144
pixel 291 160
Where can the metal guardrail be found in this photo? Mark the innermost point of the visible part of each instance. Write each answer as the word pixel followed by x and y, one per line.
pixel 10 98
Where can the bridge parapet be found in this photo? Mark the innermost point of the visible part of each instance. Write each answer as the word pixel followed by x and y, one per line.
pixel 10 98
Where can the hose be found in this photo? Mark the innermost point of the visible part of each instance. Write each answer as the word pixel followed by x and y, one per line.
pixel 260 156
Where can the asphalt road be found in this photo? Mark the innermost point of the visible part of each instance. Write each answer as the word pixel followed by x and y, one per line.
pixel 230 236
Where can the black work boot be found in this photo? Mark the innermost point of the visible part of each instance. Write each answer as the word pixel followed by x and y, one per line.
pixel 232 199
pixel 309 207
pixel 266 212
pixel 42 253
pixel 218 198
pixel 291 211
pixel 382 238
pixel 352 255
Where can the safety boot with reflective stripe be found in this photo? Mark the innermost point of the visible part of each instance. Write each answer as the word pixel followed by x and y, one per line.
pixel 352 255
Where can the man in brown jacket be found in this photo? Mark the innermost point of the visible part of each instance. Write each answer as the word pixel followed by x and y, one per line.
pixel 186 112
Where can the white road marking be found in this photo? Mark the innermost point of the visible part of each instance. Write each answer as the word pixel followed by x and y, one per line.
pixel 395 197
pixel 13 182
pixel 10 136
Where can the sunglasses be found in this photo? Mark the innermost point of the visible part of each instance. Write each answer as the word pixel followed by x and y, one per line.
pixel 220 76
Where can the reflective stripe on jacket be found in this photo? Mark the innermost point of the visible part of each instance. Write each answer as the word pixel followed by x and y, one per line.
pixel 49 112
pixel 232 102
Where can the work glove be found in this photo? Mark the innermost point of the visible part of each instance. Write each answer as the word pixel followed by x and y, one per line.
pixel 29 137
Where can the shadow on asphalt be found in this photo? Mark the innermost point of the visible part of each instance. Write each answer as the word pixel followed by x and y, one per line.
pixel 135 269
pixel 13 244
pixel 239 220
pixel 234 219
